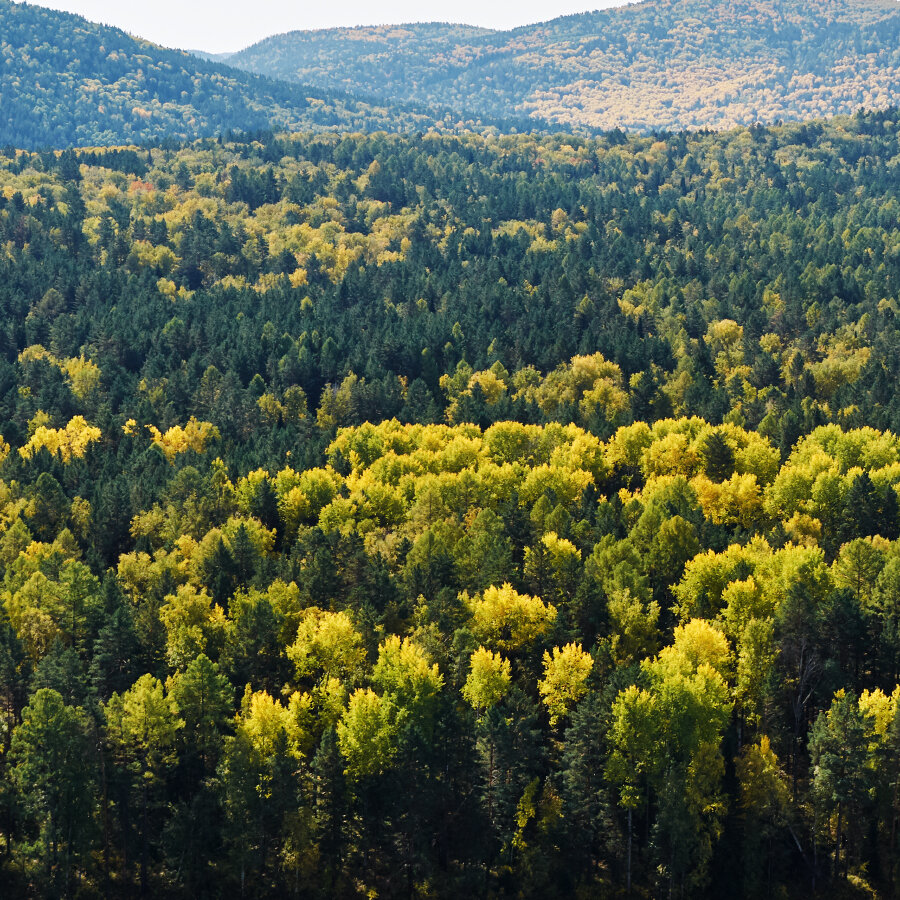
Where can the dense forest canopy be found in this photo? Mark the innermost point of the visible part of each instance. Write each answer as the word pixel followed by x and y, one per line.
pixel 658 64
pixel 434 515
pixel 65 81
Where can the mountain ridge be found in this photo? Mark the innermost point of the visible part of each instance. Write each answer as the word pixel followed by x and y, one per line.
pixel 66 81
pixel 658 64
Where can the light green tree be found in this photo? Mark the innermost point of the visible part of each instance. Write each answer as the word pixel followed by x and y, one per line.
pixel 488 680
pixel 566 673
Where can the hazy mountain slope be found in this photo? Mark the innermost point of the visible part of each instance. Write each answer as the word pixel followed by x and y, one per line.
pixel 657 64
pixel 66 81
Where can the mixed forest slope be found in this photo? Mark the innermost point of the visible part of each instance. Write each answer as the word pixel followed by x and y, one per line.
pixel 659 64
pixel 445 515
pixel 65 81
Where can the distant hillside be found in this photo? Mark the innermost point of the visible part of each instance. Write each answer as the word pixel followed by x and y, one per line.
pixel 659 64
pixel 66 81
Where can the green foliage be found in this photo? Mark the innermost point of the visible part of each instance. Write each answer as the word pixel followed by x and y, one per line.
pixel 52 769
pixel 201 699
pixel 142 725
pixel 839 745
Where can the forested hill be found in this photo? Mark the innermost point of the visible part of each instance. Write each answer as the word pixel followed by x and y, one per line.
pixel 439 516
pixel 660 64
pixel 65 81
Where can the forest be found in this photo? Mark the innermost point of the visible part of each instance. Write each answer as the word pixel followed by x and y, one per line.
pixel 65 81
pixel 431 515
pixel 645 66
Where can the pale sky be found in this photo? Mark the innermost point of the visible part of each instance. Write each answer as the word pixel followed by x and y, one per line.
pixel 229 25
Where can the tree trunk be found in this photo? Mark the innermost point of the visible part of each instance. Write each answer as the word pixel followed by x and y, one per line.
pixel 144 849
pixel 628 870
pixel 490 784
pixel 105 807
pixel 892 869
pixel 837 843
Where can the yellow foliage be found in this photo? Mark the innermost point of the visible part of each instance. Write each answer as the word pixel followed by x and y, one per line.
pixel 764 789
pixel 34 611
pixel 696 644
pixel 146 255
pixel 366 735
pixel 841 366
pixel 82 374
pixel 725 339
pixel 824 464
pixel 40 418
pixel 634 631
pixel 193 624
pixel 803 529
pixel 738 501
pixel 68 443
pixel 488 681
pixel 263 720
pixel 327 643
pixel 492 386
pixel 880 708
pixel 590 384
pixel 272 411
pixel 193 436
pixel 167 288
pixel 566 672
pixel 404 673
pixel 508 620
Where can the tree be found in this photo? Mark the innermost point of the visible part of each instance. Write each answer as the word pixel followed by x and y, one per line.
pixel 409 684
pixel 327 646
pixel 633 628
pixel 566 672
pixel 588 803
pixel 253 651
pixel 633 737
pixel 508 620
pixel 52 769
pixel 838 747
pixel 201 699
pixel 365 735
pixel 672 731
pixel 259 775
pixel 717 456
pixel 49 509
pixel 869 509
pixel 488 681
pixel 141 728
pixel 765 804
pixel 116 652
pixel 484 555
pixel 193 625
pixel 857 567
